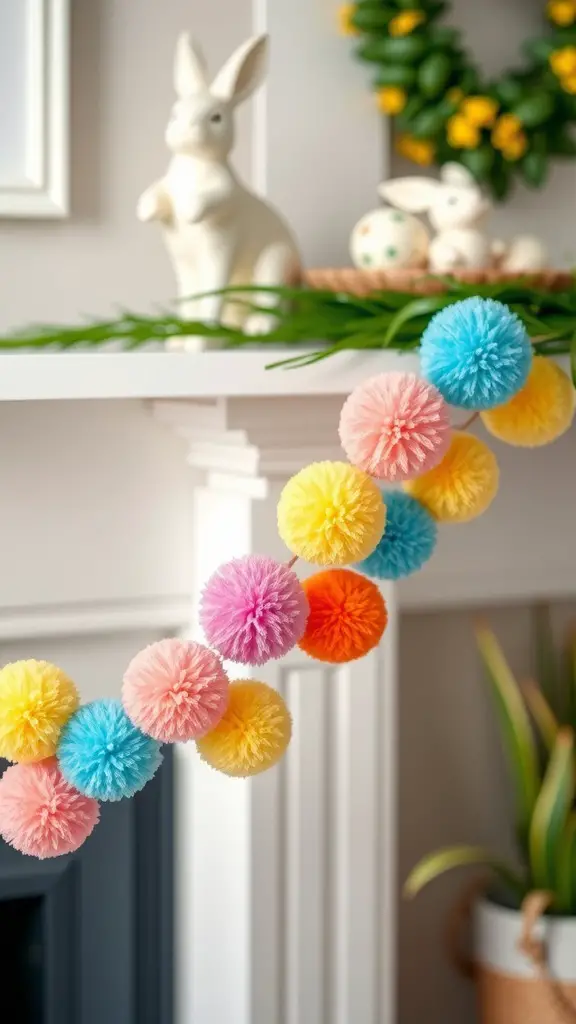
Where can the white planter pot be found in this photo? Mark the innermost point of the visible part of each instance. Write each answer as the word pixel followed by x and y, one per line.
pixel 509 986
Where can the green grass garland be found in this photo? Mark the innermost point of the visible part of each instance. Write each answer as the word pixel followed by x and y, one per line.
pixel 331 321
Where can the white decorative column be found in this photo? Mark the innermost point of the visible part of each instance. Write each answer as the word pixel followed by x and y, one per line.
pixel 285 885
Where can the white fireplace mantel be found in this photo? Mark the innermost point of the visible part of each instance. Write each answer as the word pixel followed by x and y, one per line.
pixel 288 885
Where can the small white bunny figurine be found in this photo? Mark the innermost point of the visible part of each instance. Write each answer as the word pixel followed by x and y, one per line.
pixel 456 208
pixel 218 233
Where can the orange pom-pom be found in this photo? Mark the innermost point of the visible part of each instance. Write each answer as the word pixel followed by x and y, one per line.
pixel 347 616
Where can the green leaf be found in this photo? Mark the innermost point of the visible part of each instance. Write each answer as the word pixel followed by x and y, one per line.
pixel 573 360
pixel 413 107
pixel 539 49
pixel 561 143
pixel 517 737
pixel 470 81
pixel 500 180
pixel 394 50
pixel 397 74
pixel 535 169
pixel 551 813
pixel 478 161
pixel 545 656
pixel 443 38
pixel 428 123
pixel 566 880
pixel 508 90
pixel 371 18
pixel 438 863
pixel 418 307
pixel 542 713
pixel 433 74
pixel 534 110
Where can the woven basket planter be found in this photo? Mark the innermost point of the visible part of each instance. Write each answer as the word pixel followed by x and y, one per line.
pixel 514 989
pixel 363 282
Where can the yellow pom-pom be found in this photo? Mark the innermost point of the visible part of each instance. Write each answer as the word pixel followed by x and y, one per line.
pixel 36 700
pixel 253 734
pixel 537 414
pixel 463 485
pixel 331 513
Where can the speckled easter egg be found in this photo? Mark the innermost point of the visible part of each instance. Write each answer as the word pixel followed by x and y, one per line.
pixel 386 239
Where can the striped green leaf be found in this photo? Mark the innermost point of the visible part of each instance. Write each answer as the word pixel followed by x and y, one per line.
pixel 516 730
pixel 438 863
pixel 551 812
pixel 545 719
pixel 566 885
pixel 545 654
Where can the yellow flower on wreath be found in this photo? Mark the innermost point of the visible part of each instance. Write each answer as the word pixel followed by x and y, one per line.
pixel 391 99
pixel 345 15
pixel 509 137
pixel 480 110
pixel 563 61
pixel 461 133
pixel 419 151
pixel 568 83
pixel 562 12
pixel 405 22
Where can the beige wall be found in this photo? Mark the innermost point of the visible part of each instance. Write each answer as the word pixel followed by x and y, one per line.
pixel 454 787
pixel 121 96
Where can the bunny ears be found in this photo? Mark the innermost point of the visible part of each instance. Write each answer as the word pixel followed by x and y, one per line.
pixel 417 194
pixel 242 73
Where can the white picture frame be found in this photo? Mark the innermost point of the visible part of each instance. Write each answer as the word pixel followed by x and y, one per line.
pixel 34 112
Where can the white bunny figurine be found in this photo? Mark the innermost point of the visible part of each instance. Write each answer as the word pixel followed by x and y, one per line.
pixel 218 233
pixel 456 208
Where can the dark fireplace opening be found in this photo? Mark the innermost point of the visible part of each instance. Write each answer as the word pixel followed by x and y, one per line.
pixel 22 959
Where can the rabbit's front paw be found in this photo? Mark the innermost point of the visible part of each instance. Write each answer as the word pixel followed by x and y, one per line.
pixel 153 205
pixel 260 323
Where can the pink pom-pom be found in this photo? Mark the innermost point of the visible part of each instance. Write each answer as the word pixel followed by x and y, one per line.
pixel 175 691
pixel 41 814
pixel 395 426
pixel 253 609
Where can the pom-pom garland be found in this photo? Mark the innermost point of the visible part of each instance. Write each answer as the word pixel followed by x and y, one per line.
pixel 331 513
pixel 408 541
pixel 463 485
pixel 253 609
pixel 476 352
pixel 252 735
pixel 539 413
pixel 41 814
pixel 395 426
pixel 36 699
pixel 175 691
pixel 347 619
pixel 104 755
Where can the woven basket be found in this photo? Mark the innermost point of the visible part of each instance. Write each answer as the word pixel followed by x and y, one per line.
pixel 525 964
pixel 362 282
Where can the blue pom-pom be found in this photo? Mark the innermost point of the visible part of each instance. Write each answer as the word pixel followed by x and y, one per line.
pixel 104 755
pixel 408 541
pixel 477 353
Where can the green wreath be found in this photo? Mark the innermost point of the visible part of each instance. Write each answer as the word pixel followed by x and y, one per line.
pixel 444 111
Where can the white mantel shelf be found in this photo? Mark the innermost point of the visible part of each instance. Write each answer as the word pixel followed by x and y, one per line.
pixel 61 376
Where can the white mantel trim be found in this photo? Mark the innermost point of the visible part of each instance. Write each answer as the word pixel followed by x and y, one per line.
pixel 94 617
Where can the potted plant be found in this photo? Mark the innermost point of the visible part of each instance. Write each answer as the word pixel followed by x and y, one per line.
pixel 524 914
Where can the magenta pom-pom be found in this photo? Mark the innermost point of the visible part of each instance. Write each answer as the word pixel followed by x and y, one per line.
pixel 395 426
pixel 253 609
pixel 175 691
pixel 40 813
